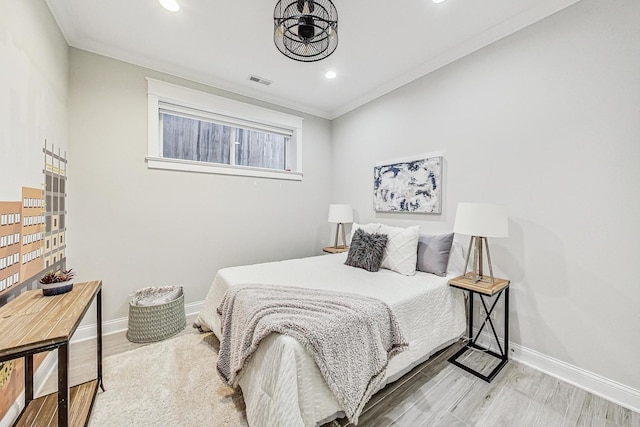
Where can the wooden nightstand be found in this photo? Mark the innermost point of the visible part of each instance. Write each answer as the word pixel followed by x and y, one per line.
pixel 484 288
pixel 332 250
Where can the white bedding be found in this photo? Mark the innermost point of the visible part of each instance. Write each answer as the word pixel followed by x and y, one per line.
pixel 281 384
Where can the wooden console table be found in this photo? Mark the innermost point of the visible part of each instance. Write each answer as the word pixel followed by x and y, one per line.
pixel 33 323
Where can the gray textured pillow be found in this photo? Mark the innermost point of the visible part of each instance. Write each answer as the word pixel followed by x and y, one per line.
pixel 366 250
pixel 433 253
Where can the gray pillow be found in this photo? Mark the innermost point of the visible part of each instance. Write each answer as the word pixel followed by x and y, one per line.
pixel 433 253
pixel 366 250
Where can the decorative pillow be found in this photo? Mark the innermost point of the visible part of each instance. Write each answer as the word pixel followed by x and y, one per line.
pixel 366 250
pixel 372 227
pixel 433 253
pixel 401 254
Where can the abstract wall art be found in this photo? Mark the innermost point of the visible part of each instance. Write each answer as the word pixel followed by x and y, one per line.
pixel 409 186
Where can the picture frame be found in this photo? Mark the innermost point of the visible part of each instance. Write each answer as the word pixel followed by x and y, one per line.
pixel 408 186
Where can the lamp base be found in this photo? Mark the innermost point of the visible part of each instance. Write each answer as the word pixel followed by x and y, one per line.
pixel 476 274
pixel 344 239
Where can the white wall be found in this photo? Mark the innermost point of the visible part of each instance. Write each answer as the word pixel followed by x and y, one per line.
pixel 547 122
pixel 33 93
pixel 133 227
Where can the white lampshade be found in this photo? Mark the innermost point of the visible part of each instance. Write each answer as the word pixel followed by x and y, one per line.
pixel 340 214
pixel 481 219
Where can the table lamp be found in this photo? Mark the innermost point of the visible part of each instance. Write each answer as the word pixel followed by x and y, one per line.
pixel 480 221
pixel 340 214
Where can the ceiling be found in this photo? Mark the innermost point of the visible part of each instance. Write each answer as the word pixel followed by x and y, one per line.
pixel 382 44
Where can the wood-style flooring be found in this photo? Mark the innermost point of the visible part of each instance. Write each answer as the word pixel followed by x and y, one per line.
pixel 438 394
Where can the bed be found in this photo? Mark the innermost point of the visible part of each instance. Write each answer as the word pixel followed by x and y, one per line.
pixel 281 384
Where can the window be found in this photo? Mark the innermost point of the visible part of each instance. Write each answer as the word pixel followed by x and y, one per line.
pixel 196 131
pixel 17 218
pixel 16 277
pixel 3 219
pixel 16 258
pixel 199 140
pixel 3 241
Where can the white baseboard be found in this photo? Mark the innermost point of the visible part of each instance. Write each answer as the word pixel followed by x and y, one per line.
pixel 87 332
pixel 593 383
pixel 613 391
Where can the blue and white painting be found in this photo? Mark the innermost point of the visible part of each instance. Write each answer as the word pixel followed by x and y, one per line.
pixel 413 186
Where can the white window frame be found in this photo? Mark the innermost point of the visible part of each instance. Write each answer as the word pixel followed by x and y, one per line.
pixel 162 96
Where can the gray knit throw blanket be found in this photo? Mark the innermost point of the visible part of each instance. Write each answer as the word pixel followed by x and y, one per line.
pixel 350 337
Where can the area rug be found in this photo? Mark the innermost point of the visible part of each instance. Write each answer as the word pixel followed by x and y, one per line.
pixel 170 383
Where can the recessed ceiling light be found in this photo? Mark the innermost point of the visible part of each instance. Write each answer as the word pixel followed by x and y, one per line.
pixel 170 5
pixel 438 1
pixel 330 75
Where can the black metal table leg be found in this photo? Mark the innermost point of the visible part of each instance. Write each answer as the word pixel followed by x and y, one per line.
pixel 28 379
pixel 63 385
pixel 506 323
pixel 99 337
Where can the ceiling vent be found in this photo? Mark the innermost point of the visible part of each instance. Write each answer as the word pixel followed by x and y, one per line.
pixel 259 80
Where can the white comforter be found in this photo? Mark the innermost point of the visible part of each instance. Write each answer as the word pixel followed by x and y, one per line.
pixel 281 385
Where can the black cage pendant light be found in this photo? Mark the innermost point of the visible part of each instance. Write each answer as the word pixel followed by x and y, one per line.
pixel 306 30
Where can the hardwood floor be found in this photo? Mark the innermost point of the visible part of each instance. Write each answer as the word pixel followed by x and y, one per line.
pixel 438 394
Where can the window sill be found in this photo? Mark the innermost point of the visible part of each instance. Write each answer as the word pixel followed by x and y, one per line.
pixel 204 167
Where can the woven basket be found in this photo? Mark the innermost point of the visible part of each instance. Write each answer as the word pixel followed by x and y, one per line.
pixel 156 322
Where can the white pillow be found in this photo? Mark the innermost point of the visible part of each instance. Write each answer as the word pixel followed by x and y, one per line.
pixel 401 253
